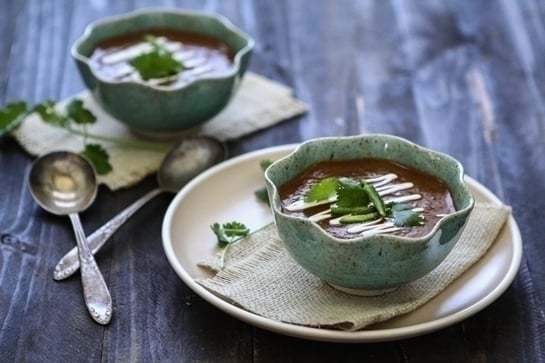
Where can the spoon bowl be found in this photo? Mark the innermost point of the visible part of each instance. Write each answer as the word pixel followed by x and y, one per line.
pixel 188 158
pixel 185 160
pixel 64 183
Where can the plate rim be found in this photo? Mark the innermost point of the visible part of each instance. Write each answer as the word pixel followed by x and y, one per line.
pixel 328 335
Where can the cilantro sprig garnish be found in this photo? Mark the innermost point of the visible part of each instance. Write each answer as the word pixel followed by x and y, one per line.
pixel 159 63
pixel 227 234
pixel 76 114
pixel 358 201
pixel 74 118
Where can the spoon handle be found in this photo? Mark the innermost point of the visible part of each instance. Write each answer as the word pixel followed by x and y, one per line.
pixel 69 264
pixel 96 294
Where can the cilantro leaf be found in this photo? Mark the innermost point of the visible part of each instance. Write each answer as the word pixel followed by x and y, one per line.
pixel 264 164
pixel 50 115
pixel 323 190
pixel 158 63
pixel 11 116
pixel 99 157
pixel 229 232
pixel 404 216
pixel 262 194
pixel 79 114
pixel 350 194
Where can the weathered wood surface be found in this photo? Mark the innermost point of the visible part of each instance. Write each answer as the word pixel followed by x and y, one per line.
pixel 466 78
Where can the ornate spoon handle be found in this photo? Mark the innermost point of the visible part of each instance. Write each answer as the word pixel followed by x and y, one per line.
pixel 95 292
pixel 70 263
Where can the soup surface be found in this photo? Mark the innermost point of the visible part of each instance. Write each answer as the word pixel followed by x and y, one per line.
pixel 199 55
pixel 411 190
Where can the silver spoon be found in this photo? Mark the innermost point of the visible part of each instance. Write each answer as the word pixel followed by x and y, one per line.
pixel 184 161
pixel 64 183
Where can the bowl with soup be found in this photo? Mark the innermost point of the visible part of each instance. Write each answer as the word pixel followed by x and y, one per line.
pixel 368 213
pixel 163 71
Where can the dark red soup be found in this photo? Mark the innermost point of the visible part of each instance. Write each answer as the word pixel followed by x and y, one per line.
pixel 200 56
pixel 412 201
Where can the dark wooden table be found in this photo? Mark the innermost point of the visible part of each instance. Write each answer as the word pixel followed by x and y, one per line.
pixel 466 78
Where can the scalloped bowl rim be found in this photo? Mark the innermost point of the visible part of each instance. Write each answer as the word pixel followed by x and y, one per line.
pixel 384 238
pixel 90 28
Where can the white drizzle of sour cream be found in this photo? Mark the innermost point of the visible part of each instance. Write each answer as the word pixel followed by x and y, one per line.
pixel 133 51
pixel 194 64
pixel 385 186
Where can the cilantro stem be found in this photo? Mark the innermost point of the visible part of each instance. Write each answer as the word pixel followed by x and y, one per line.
pixel 234 242
pixel 222 256
pixel 224 251
pixel 141 144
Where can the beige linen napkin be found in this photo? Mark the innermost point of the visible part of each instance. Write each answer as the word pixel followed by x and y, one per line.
pixel 262 278
pixel 259 103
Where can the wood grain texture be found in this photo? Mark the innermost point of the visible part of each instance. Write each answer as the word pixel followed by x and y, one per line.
pixel 465 78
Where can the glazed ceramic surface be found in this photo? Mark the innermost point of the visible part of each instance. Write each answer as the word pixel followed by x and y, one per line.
pixel 372 264
pixel 150 109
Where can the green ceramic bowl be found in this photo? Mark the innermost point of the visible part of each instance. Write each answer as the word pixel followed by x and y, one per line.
pixel 156 110
pixel 374 264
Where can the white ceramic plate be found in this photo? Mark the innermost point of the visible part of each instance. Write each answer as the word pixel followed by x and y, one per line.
pixel 226 192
